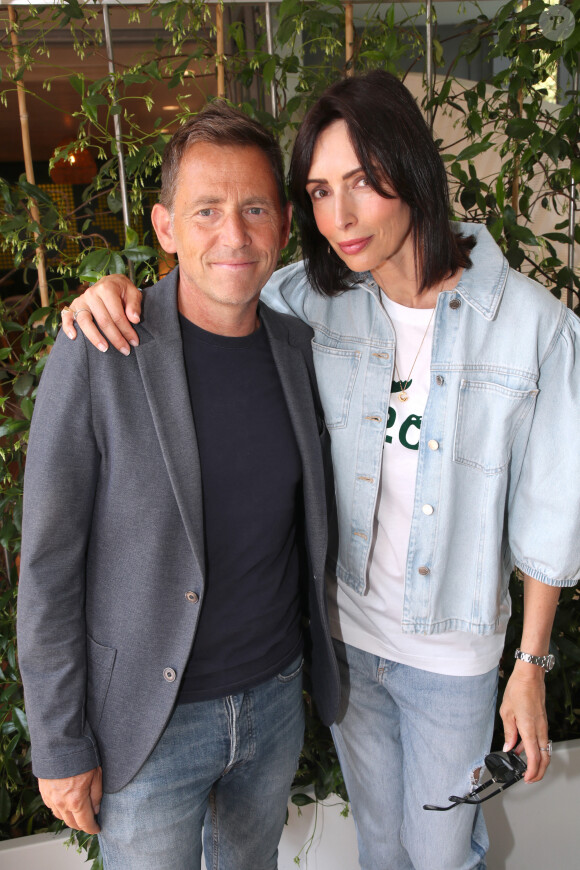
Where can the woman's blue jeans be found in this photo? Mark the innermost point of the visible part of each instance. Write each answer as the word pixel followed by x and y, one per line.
pixel 225 766
pixel 406 737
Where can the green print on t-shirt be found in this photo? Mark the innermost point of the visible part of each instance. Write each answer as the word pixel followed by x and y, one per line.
pixel 413 421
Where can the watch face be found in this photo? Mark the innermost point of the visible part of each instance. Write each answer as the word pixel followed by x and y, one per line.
pixel 550 662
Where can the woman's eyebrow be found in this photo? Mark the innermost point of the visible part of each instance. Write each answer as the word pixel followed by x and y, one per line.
pixel 345 177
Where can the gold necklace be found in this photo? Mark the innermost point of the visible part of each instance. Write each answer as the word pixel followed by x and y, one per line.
pixel 403 395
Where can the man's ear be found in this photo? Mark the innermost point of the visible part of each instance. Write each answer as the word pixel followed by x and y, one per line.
pixel 286 225
pixel 163 225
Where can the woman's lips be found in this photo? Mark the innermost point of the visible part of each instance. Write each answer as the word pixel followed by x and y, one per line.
pixel 354 246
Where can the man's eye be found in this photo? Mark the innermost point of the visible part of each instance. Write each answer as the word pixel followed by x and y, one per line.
pixel 205 212
pixel 256 210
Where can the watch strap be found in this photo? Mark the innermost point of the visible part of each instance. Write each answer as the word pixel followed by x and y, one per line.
pixel 545 662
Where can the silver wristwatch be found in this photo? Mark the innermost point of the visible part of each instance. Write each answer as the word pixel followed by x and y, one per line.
pixel 545 662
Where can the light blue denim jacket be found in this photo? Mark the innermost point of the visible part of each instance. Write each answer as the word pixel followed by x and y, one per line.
pixel 498 456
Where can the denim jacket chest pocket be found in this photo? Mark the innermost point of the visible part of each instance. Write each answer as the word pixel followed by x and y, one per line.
pixel 336 371
pixel 489 416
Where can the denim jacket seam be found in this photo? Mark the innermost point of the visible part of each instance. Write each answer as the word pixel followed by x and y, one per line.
pixel 542 577
pixel 556 337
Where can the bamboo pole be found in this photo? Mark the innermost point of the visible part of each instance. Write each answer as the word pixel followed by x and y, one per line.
pixel 349 39
pixel 429 58
pixel 219 58
pixel 516 178
pixel 270 44
pixel 572 213
pixel 26 147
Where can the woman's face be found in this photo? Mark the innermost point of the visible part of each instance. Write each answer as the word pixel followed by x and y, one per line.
pixel 368 231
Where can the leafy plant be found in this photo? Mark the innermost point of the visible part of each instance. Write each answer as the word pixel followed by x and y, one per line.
pixel 536 150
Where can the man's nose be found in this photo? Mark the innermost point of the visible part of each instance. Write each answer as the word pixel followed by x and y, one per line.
pixel 235 232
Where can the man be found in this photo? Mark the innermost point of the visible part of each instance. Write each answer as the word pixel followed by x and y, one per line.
pixel 174 537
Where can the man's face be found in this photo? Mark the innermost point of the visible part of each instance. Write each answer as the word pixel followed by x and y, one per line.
pixel 227 228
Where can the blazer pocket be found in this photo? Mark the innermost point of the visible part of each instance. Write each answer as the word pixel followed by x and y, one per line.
pixel 488 418
pixel 100 664
pixel 336 372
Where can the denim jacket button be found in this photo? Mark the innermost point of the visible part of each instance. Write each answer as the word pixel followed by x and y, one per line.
pixel 428 509
pixel 432 444
pixel 440 380
pixel 455 303
pixel 424 570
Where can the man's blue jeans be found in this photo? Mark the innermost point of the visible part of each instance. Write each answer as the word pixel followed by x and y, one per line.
pixel 407 737
pixel 224 765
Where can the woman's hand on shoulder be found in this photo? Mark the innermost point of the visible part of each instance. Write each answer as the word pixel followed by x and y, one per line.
pixel 114 303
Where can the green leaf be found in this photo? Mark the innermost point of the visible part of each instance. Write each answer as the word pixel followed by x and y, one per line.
pixel 474 149
pixel 520 128
pixel 5 804
pixel 114 202
pixel 131 238
pixel 78 83
pixel 35 192
pixel 11 427
pixel 27 407
pixel 269 71
pixel 22 385
pixel 523 234
pixel 21 722
pixel 557 237
pixel 7 533
pixel 140 254
pixel 302 800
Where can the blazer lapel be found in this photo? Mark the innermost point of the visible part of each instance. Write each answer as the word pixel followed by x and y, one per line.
pixel 160 360
pixel 294 376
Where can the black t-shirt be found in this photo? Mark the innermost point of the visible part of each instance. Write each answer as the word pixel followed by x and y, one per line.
pixel 249 626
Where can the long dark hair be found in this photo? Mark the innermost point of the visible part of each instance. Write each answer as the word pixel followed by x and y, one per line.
pixel 392 141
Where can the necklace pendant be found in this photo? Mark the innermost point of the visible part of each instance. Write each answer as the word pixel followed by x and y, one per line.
pixel 403 396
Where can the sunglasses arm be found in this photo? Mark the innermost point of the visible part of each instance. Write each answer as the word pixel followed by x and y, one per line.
pixel 471 797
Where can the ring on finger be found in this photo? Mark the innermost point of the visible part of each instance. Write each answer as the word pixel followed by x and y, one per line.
pixel 76 313
pixel 547 748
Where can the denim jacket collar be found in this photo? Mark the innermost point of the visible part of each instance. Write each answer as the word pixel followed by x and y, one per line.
pixel 482 285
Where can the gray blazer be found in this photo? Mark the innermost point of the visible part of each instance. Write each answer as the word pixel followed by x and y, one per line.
pixel 113 541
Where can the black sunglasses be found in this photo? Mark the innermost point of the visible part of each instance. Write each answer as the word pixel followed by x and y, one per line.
pixel 505 768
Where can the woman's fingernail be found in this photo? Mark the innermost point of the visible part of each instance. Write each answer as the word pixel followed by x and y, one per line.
pixel 133 342
pixel 103 347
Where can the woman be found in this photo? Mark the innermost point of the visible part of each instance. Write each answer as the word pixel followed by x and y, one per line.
pixel 443 375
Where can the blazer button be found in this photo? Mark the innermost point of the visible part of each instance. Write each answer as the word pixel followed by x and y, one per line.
pixel 192 596
pixel 169 675
pixel 424 570
pixel 455 304
pixel 440 380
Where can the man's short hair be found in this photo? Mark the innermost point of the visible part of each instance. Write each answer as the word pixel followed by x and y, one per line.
pixel 218 124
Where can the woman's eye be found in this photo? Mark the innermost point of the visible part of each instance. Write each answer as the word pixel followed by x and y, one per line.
pixel 319 193
pixel 362 182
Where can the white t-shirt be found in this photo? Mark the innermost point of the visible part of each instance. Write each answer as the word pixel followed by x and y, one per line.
pixel 372 622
